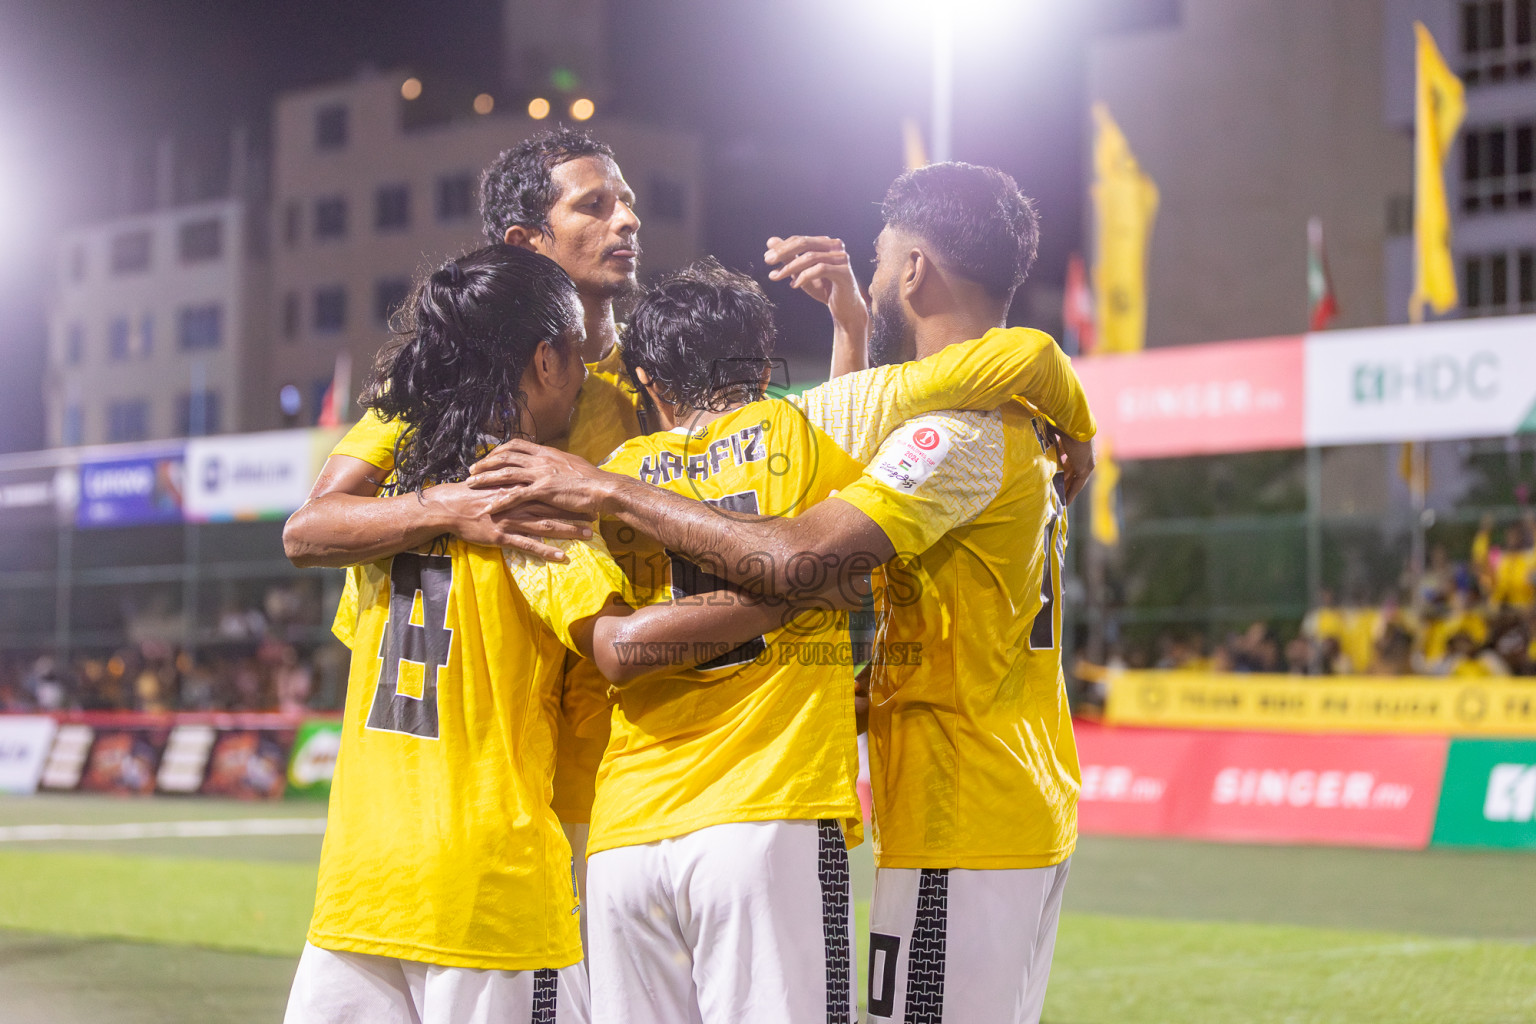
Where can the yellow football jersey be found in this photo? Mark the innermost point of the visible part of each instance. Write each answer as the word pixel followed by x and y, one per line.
pixel 1512 579
pixel 761 732
pixel 772 738
pixel 605 416
pixel 1437 633
pixel 1362 627
pixel 972 757
pixel 441 845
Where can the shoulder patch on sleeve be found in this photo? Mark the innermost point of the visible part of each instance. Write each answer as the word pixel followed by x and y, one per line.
pixel 911 455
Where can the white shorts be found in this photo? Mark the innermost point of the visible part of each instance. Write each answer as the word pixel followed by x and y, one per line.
pixel 738 923
pixel 333 987
pixel 951 946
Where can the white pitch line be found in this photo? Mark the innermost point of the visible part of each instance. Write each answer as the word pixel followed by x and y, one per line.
pixel 165 830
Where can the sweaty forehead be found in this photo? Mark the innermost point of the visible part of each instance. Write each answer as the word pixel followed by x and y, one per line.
pixel 586 174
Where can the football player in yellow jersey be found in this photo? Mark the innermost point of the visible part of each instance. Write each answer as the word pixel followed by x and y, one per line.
pixel 446 891
pixel 975 769
pixel 562 194
pixel 719 779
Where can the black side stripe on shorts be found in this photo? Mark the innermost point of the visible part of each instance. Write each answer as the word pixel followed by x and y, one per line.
pixel 925 959
pixel 836 895
pixel 546 992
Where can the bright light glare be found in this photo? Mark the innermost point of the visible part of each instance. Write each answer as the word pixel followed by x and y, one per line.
pixel 485 103
pixel 583 109
pixel 410 88
pixel 19 199
pixel 538 108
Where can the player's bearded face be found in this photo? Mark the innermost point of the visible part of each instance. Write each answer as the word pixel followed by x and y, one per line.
pixel 891 338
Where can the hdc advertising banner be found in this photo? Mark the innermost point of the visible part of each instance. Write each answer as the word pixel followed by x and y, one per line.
pixel 131 492
pixel 1261 787
pixel 1423 382
pixel 1489 795
pixel 248 476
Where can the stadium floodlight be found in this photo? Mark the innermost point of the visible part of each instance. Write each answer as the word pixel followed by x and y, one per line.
pixel 937 18
pixel 583 109
pixel 410 89
pixel 485 103
pixel 538 108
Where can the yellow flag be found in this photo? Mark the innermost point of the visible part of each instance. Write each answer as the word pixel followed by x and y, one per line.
pixel 1439 105
pixel 1413 467
pixel 1125 204
pixel 913 152
pixel 1105 520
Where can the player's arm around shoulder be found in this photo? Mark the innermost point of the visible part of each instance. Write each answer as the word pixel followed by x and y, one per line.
pixel 345 520
pixel 586 600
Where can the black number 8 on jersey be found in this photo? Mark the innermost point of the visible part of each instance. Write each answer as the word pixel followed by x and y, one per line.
pixel 415 647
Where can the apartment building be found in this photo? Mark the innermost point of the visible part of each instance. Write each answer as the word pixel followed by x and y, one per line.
pixel 156 324
pixel 366 198
pixel 1491 181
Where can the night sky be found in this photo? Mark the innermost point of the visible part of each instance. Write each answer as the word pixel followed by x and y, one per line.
pixel 799 102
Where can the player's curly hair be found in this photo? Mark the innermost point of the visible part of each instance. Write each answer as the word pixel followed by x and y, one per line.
pixel 976 217
pixel 518 189
pixel 704 336
pixel 453 375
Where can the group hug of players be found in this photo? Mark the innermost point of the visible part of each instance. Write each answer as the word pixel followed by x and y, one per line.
pixel 600 752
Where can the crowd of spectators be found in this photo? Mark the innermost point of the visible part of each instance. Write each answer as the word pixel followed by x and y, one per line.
pixel 262 657
pixel 1475 617
pixel 270 675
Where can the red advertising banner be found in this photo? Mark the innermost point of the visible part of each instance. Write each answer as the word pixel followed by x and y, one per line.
pixel 1236 396
pixel 1261 787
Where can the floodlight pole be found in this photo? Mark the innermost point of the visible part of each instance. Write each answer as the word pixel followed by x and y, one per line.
pixel 943 78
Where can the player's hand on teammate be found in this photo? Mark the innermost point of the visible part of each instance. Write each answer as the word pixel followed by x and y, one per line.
pixel 1076 460
pixel 820 267
pixel 498 517
pixel 549 476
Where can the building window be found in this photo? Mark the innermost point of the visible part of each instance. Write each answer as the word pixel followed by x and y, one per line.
pixel 72 429
pixel 130 252
pixel 146 334
pixel 197 413
pixel 330 310
pixel 1498 283
pixel 128 421
pixel 392 207
pixel 455 196
pixel 1497 41
pixel 293 223
pixel 291 315
pixel 331 217
pixel 669 199
pixel 74 345
pixel 1498 168
pixel 117 338
pixel 331 127
pixel 200 327
pixel 77 263
pixel 201 240
pixel 389 295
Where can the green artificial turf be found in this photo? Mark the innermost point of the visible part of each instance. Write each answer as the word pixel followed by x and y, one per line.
pixel 1140 971
pixel 1154 930
pixel 258 907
